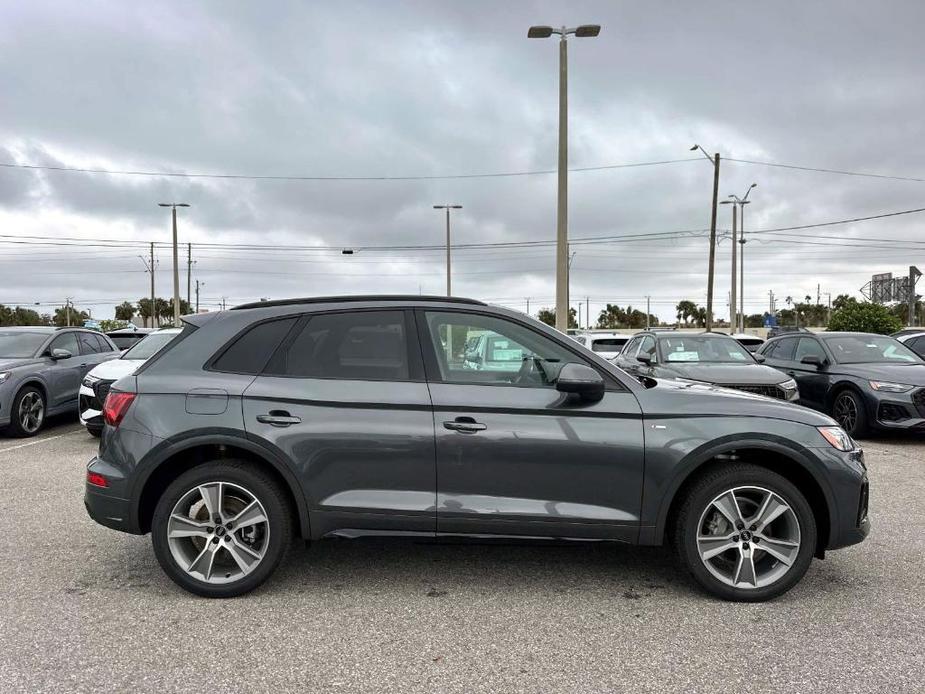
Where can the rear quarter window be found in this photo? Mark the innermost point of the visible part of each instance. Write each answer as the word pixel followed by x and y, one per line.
pixel 252 349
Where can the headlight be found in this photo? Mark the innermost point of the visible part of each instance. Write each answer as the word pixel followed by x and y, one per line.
pixel 887 387
pixel 788 385
pixel 89 380
pixel 837 438
pixel 4 375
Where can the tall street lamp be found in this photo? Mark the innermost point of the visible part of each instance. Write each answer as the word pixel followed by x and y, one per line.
pixel 715 161
pixel 741 202
pixel 544 32
pixel 176 265
pixel 448 208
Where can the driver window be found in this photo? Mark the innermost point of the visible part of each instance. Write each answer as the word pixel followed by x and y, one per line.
pixel 67 341
pixel 648 347
pixel 471 348
pixel 808 346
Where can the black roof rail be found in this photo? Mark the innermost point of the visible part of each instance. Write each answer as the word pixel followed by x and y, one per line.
pixel 356 298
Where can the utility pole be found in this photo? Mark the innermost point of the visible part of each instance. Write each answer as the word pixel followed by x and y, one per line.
pixel 176 262
pixel 449 291
pixel 648 298
pixel 734 309
pixel 542 32
pixel 914 274
pixel 818 294
pixel 828 316
pixel 149 266
pixel 528 305
pixel 189 271
pixel 198 283
pixel 588 311
pixel 67 311
pixel 715 161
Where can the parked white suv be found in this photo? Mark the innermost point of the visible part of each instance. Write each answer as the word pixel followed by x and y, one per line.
pixel 608 345
pixel 95 385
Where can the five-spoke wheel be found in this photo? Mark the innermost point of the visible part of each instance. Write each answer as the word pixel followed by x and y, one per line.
pixel 221 529
pixel 745 533
pixel 28 412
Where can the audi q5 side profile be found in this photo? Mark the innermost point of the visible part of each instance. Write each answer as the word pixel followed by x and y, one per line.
pixel 351 416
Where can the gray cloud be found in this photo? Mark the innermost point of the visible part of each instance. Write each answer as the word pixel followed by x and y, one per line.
pixel 431 88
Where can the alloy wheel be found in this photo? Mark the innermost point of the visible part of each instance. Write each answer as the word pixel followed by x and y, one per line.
pixel 31 412
pixel 218 532
pixel 846 412
pixel 748 537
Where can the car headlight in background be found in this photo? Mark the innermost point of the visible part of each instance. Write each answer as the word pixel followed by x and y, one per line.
pixel 89 380
pixel 790 389
pixel 837 438
pixel 887 387
pixel 4 375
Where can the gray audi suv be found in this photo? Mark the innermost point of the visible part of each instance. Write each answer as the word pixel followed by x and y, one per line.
pixel 351 416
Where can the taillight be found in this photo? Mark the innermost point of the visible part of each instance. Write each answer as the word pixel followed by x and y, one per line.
pixel 96 479
pixel 116 406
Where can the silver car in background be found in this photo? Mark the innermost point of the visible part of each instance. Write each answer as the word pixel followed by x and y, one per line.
pixel 40 372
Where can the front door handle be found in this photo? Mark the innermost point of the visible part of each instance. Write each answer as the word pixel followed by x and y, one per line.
pixel 465 425
pixel 278 418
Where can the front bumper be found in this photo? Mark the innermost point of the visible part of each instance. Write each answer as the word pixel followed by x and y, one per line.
pixel 850 488
pixel 898 411
pixel 89 408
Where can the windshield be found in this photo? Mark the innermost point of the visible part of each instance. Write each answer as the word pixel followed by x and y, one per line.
pixel 701 348
pixel 614 344
pixel 20 344
pixel 870 349
pixel 147 347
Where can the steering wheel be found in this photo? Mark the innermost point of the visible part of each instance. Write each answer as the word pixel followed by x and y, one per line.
pixel 527 372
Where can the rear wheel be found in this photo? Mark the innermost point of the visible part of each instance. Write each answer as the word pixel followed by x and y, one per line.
pixel 28 412
pixel 745 533
pixel 848 411
pixel 221 529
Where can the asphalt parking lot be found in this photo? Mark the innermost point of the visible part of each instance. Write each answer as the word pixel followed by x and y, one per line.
pixel 85 608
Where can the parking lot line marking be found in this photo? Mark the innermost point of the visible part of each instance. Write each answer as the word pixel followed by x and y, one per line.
pixel 34 443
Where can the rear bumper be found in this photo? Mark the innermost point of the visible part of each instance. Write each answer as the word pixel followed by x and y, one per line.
pixel 107 505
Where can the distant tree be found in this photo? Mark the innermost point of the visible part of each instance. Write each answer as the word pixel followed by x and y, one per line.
pixel 548 316
pixel 125 311
pixel 146 313
pixel 69 315
pixel 611 317
pixel 20 316
pixel 756 320
pixel 865 317
pixel 106 325
pixel 686 310
pixel 842 300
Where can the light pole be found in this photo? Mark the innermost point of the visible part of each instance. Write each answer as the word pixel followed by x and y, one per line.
pixel 448 208
pixel 544 32
pixel 733 304
pixel 176 263
pixel 741 202
pixel 715 161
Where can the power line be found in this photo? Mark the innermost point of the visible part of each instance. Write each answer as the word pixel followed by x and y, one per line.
pixel 840 172
pixel 178 174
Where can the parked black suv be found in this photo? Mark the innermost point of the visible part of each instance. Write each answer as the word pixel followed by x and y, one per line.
pixel 362 415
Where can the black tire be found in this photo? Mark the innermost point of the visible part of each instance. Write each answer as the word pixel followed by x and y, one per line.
pixel 262 487
pixel 846 402
pixel 699 498
pixel 16 427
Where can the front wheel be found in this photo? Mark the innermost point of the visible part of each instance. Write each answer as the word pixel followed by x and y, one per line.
pixel 221 529
pixel 848 410
pixel 745 533
pixel 28 412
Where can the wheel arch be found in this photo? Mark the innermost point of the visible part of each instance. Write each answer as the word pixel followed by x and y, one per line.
pixel 785 460
pixel 175 459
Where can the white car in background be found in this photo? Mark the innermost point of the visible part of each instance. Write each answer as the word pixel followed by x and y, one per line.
pixel 95 385
pixel 608 345
pixel 749 342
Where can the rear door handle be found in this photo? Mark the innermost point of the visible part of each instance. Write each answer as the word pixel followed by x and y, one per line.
pixel 465 425
pixel 278 418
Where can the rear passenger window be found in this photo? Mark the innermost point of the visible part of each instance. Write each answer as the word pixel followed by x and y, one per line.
pixel 88 343
pixel 363 345
pixel 102 343
pixel 252 350
pixel 785 348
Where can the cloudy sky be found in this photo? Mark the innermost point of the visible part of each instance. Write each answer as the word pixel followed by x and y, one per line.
pixel 425 91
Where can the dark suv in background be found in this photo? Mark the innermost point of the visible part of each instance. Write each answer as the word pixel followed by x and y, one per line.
pixel 364 415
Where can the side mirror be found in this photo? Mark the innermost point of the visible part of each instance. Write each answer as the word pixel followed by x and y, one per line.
pixel 644 358
pixel 759 358
pixel 587 383
pixel 812 359
pixel 57 354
